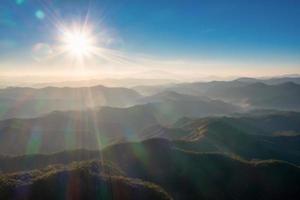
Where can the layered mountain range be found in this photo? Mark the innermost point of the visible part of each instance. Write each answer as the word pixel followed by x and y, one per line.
pixel 205 140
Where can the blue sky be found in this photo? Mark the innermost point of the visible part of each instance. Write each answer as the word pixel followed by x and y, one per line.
pixel 191 30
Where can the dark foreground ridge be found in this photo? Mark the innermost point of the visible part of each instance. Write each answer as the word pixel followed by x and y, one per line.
pixel 84 180
pixel 183 174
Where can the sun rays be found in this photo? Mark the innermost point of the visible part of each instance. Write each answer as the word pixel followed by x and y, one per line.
pixel 79 43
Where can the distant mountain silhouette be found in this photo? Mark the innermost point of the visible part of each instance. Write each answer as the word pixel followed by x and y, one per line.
pixel 194 88
pixel 283 96
pixel 30 102
pixel 249 93
pixel 271 81
pixel 171 96
pixel 277 93
pixel 108 82
pixel 246 92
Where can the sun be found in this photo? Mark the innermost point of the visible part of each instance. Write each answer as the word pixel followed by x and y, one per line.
pixel 79 43
pixel 87 44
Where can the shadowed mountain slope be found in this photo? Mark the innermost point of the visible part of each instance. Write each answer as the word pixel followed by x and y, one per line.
pixel 274 136
pixel 183 174
pixel 93 129
pixel 190 175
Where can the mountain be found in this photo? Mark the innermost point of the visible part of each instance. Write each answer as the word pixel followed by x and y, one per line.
pixel 109 82
pixel 258 137
pixel 84 180
pixel 271 81
pixel 199 88
pixel 149 90
pixel 249 93
pixel 96 128
pixel 11 164
pixel 260 95
pixel 249 80
pixel 171 96
pixel 281 93
pixel 274 136
pixel 201 175
pixel 174 105
pixel 31 102
pixel 190 88
pixel 60 131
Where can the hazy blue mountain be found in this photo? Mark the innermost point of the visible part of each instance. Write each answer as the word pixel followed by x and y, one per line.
pixel 60 131
pixel 201 88
pixel 266 136
pixel 273 136
pixel 30 102
pixel 96 128
pixel 108 82
pixel 249 94
pixel 271 81
pixel 189 88
pixel 277 93
pixel 171 96
pixel 149 90
pixel 260 95
pixel 248 80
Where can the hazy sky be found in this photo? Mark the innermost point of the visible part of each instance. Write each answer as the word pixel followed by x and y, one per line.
pixel 209 37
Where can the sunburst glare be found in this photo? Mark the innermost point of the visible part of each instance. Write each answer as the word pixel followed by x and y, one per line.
pixel 83 43
pixel 79 42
